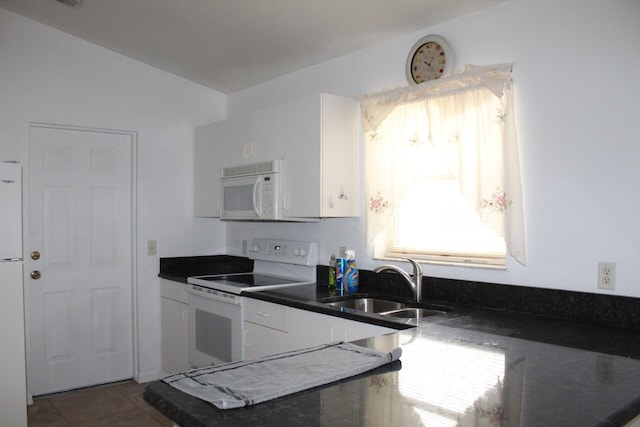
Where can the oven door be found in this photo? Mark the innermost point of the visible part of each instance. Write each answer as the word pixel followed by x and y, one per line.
pixel 215 327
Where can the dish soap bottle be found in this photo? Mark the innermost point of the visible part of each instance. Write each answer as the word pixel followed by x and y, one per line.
pixel 351 274
pixel 332 275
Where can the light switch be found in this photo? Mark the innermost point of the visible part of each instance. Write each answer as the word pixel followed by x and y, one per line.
pixel 151 247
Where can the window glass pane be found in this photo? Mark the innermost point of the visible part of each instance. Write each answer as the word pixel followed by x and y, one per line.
pixel 433 218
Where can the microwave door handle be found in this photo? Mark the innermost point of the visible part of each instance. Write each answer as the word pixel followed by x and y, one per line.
pixel 256 199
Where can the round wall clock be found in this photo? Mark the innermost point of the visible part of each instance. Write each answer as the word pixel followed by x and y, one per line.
pixel 430 58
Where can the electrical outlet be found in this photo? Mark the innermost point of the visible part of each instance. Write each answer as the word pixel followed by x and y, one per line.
pixel 151 247
pixel 607 275
pixel 604 369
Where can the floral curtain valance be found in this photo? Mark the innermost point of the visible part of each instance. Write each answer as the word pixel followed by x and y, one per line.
pixel 463 126
pixel 376 107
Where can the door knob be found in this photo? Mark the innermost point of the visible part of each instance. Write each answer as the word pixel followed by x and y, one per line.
pixel 35 274
pixel 35 255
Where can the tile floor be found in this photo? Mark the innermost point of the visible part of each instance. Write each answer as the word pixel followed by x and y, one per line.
pixel 118 404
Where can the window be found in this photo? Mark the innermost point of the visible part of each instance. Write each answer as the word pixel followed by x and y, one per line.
pixel 442 172
pixel 433 221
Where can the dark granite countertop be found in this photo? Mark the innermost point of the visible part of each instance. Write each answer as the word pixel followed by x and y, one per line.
pixel 447 374
pixel 472 366
pixel 179 268
pixel 617 341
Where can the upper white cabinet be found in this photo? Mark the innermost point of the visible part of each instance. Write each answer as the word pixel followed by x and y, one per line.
pixel 256 137
pixel 209 156
pixel 318 139
pixel 321 157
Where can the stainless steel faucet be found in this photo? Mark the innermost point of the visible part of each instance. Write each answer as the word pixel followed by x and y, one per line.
pixel 415 280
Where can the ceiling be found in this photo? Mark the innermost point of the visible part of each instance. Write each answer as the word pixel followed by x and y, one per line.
pixel 229 45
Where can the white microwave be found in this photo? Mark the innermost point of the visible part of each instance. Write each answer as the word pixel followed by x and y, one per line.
pixel 252 192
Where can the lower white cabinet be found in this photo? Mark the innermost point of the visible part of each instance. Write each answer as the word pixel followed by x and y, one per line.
pixel 262 341
pixel 273 328
pixel 314 328
pixel 265 328
pixel 174 321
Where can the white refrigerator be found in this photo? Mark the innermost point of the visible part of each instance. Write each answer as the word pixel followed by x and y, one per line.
pixel 13 384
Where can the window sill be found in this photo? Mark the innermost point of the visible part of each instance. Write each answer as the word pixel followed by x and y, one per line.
pixel 449 263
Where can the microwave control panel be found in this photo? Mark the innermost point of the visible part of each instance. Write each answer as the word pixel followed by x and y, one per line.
pixel 267 195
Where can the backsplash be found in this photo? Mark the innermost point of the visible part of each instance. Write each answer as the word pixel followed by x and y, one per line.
pixel 610 310
pixel 622 312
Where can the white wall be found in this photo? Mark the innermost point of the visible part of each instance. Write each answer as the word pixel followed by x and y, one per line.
pixel 48 76
pixel 577 99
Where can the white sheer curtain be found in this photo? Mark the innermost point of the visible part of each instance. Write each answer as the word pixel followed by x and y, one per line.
pixel 461 126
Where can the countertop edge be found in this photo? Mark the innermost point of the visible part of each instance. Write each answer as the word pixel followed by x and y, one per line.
pixel 321 308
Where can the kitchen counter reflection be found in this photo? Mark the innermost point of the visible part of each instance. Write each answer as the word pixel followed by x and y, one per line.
pixel 450 377
pixel 443 383
pixel 447 377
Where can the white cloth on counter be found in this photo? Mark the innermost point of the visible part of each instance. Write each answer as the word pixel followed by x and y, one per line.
pixel 245 383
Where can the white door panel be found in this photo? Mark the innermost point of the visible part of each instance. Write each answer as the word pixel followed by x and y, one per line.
pixel 80 214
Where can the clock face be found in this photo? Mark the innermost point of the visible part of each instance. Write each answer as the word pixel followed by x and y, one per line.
pixel 429 59
pixel 428 62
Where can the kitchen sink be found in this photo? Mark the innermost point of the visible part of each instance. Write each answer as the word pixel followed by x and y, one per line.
pixel 368 305
pixel 403 312
pixel 414 313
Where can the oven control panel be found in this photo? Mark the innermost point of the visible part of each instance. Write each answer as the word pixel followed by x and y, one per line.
pixel 286 251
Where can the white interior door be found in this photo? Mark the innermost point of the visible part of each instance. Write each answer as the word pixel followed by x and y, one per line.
pixel 80 221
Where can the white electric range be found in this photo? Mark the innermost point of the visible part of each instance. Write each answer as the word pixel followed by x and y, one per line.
pixel 215 306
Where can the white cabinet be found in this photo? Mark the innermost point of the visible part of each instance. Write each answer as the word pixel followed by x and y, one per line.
pixel 273 328
pixel 321 157
pixel 318 139
pixel 315 328
pixel 265 328
pixel 262 341
pixel 256 137
pixel 174 323
pixel 210 154
pixel 250 138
